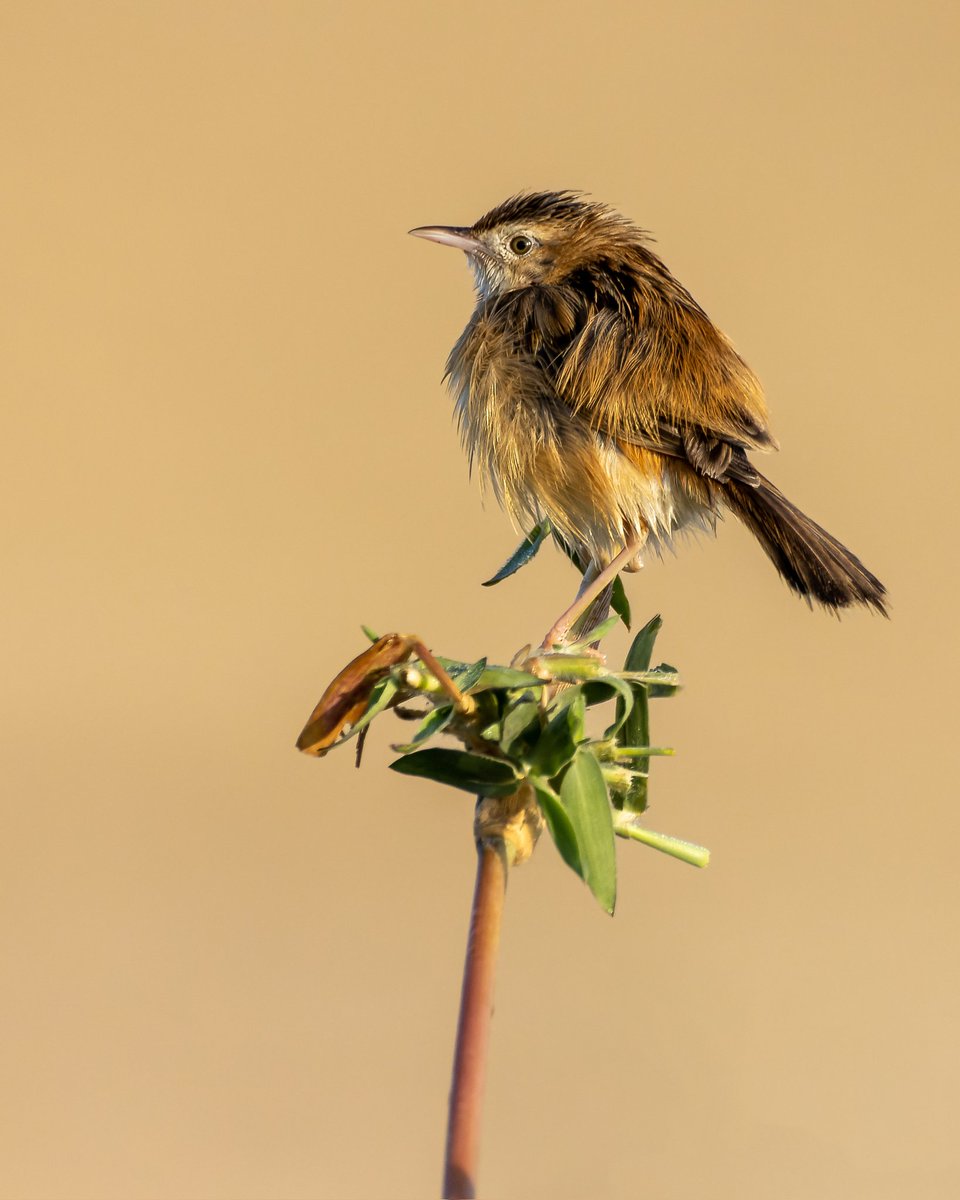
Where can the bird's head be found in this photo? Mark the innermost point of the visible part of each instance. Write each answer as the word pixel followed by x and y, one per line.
pixel 536 238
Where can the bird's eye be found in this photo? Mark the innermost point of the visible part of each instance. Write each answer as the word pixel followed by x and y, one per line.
pixel 521 244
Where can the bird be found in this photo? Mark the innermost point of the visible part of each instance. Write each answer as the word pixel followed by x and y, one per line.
pixel 591 390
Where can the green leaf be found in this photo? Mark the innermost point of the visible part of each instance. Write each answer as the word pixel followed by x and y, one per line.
pixel 670 684
pixel 523 553
pixel 688 852
pixel 451 665
pixel 635 726
pixel 476 773
pixel 619 602
pixel 641 648
pixel 431 724
pixel 521 715
pixel 663 676
pixel 612 685
pixel 368 632
pixel 583 794
pixel 662 680
pixel 561 829
pixel 505 677
pixel 564 698
pixel 466 675
pixel 598 633
pixel 558 741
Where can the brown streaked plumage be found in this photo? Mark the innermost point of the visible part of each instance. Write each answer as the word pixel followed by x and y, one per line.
pixel 592 389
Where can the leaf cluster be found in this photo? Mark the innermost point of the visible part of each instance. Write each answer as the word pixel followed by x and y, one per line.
pixel 528 724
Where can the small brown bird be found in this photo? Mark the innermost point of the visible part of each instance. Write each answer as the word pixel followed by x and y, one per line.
pixel 593 390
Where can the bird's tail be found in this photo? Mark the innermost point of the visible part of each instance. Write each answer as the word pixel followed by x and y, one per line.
pixel 812 563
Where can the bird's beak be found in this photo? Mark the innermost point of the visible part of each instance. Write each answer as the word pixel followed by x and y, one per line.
pixel 449 235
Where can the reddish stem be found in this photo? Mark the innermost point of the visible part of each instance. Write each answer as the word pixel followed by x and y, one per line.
pixel 473 1027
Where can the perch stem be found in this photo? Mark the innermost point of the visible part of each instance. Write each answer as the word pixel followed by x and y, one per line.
pixel 473 1027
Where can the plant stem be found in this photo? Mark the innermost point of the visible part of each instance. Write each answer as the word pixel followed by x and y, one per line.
pixel 473 1027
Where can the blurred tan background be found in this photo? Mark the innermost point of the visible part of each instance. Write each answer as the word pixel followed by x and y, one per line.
pixel 230 971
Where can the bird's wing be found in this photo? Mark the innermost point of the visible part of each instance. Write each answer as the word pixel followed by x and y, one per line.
pixel 647 366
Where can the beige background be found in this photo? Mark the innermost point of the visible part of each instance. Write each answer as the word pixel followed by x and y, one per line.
pixel 232 971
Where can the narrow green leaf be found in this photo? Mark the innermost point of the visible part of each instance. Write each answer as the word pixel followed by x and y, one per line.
pixel 561 830
pixel 619 602
pixel 521 715
pixel 641 649
pixel 466 676
pixel 663 680
pixel 451 665
pixel 558 741
pixel 523 553
pixel 626 698
pixel 476 773
pixel 564 698
pixel 431 724
pixel 368 632
pixel 505 677
pixel 577 715
pixel 635 726
pixel 668 683
pixel 583 794
pixel 602 691
pixel 597 635
pixel 688 852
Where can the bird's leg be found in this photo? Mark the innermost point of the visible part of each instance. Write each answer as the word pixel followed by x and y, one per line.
pixel 589 575
pixel 594 616
pixel 593 584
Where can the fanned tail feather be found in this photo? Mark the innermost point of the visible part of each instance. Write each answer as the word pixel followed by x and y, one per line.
pixel 810 560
